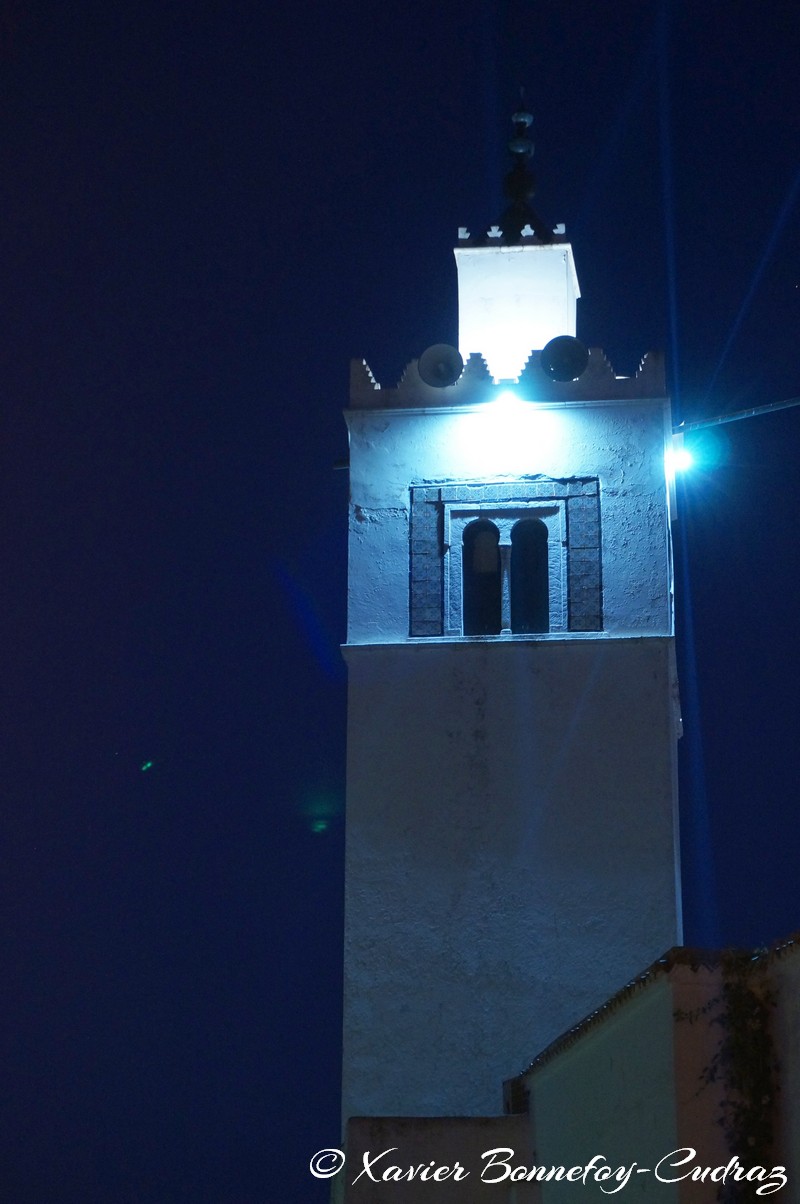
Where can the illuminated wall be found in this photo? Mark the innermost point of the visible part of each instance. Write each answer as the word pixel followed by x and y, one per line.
pixel 511 835
pixel 622 444
pixel 644 1080
pixel 513 300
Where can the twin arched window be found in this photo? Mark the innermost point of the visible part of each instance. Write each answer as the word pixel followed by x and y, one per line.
pixel 505 588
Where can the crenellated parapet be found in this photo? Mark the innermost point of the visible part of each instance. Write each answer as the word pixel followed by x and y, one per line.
pixel 598 384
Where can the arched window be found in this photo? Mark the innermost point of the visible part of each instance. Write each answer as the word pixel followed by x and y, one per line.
pixel 482 579
pixel 557 586
pixel 530 591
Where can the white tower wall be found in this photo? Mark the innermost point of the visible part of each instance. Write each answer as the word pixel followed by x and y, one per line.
pixel 510 857
pixel 512 853
pixel 621 443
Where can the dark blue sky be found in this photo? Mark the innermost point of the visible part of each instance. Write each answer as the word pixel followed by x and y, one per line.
pixel 205 210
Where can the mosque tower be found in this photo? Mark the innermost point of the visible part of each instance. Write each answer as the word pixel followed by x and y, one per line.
pixel 512 843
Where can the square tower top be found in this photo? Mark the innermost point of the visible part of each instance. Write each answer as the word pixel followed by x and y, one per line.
pixel 513 300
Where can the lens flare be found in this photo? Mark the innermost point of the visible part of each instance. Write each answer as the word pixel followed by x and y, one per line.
pixel 678 460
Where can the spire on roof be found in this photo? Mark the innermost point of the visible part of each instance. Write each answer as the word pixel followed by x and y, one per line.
pixel 519 184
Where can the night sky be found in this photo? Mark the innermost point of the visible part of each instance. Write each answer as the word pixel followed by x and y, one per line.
pixel 205 211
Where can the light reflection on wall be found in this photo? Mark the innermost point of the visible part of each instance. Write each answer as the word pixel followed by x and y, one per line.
pixel 508 437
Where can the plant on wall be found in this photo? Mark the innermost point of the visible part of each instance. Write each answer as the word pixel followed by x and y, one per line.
pixel 744 1064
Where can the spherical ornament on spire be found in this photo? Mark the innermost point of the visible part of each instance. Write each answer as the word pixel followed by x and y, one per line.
pixel 519 185
pixel 519 144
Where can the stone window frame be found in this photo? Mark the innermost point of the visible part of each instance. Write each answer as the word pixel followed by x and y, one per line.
pixel 435 589
pixel 504 516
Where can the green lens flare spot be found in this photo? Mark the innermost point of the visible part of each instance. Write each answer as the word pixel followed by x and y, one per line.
pixel 146 765
pixel 320 808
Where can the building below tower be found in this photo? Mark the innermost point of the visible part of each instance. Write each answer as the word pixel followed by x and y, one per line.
pixel 684 1088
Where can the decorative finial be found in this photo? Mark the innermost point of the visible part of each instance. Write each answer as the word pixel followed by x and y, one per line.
pixel 519 185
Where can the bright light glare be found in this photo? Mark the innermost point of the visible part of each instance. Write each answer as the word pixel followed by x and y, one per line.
pixel 506 400
pixel 678 458
pixel 507 436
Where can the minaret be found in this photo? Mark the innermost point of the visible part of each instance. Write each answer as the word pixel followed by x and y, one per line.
pixel 512 855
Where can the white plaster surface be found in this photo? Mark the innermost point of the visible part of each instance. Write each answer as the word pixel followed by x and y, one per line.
pixel 511 856
pixel 511 833
pixel 621 443
pixel 632 1081
pixel 629 1083
pixel 611 1093
pixel 513 300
